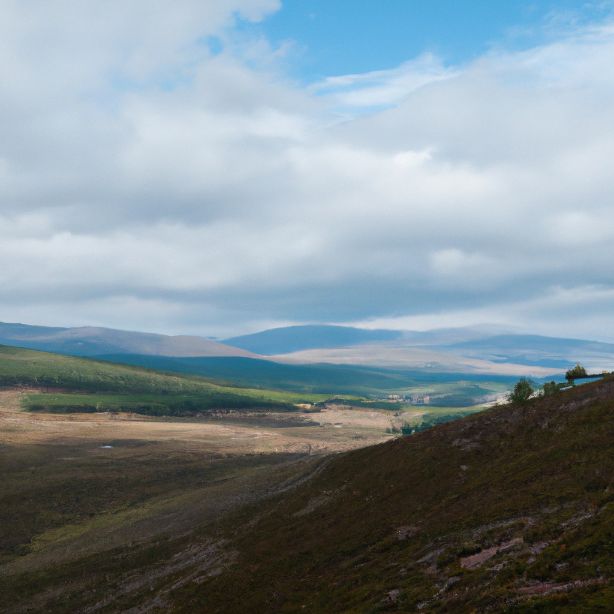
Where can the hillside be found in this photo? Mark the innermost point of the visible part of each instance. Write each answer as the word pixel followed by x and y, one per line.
pixel 93 341
pixel 82 384
pixel 537 350
pixel 443 388
pixel 507 510
pixel 500 510
pixel 295 338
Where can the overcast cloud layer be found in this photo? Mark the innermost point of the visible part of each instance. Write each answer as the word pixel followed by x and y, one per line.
pixel 146 182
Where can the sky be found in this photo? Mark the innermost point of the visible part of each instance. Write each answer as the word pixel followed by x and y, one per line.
pixel 217 167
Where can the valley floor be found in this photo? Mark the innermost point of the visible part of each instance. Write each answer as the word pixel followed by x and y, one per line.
pixel 77 486
pixel 333 429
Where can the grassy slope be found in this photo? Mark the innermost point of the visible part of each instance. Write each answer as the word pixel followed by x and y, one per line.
pixel 386 528
pixel 131 387
pixel 455 389
pixel 49 491
pixel 540 473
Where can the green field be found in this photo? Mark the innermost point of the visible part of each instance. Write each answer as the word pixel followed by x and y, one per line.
pixel 80 384
pixel 446 389
pixel 71 384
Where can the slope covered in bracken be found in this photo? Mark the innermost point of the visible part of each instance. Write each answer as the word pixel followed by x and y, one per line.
pixel 507 510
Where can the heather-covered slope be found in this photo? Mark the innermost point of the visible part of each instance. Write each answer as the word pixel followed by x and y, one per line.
pixel 507 510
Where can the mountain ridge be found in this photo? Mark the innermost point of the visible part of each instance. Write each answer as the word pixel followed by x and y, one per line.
pixel 94 341
pixel 470 350
pixel 285 339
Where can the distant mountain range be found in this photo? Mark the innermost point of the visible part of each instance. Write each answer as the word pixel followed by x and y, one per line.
pixel 470 350
pixel 537 350
pixel 288 339
pixel 296 338
pixel 94 341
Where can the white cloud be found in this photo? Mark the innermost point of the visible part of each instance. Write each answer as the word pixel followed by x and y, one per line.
pixel 382 88
pixel 142 177
pixel 577 312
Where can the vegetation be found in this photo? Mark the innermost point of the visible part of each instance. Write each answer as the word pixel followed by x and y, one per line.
pixel 522 391
pixel 450 389
pixel 552 387
pixel 91 385
pixel 511 509
pixel 575 372
pixel 430 420
pixel 151 405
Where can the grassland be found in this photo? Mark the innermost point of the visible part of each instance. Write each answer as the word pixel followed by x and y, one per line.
pixel 67 384
pixel 77 484
pixel 120 482
pixel 103 386
pixel 450 389
pixel 510 509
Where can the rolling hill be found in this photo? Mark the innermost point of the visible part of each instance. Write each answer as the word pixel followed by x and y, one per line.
pixel 295 338
pixel 94 341
pixel 80 384
pixel 462 389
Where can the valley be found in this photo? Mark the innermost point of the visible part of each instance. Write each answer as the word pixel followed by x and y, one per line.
pixel 119 512
pixel 159 484
pixel 306 307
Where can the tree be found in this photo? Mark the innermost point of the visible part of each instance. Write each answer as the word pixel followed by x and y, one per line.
pixel 522 391
pixel 575 372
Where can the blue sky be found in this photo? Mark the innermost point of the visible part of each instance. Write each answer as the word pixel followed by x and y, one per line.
pixel 394 163
pixel 337 37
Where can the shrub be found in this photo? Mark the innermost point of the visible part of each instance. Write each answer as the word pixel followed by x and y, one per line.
pixel 522 391
pixel 551 388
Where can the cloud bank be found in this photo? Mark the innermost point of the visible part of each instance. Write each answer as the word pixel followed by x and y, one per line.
pixel 158 170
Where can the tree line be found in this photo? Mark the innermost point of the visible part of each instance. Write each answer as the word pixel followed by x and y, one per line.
pixel 525 388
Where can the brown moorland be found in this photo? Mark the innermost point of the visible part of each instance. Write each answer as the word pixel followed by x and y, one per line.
pixel 507 510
